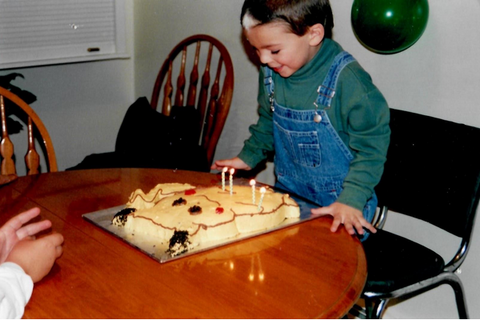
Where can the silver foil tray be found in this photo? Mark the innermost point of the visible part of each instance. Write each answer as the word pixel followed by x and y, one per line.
pixel 156 249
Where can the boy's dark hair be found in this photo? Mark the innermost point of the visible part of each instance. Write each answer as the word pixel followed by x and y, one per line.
pixel 298 14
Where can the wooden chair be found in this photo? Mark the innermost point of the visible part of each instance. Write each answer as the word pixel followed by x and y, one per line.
pixel 211 97
pixel 34 126
pixel 432 173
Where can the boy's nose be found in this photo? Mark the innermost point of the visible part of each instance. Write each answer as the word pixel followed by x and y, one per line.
pixel 265 58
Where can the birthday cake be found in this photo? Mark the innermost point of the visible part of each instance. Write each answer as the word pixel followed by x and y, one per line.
pixel 186 216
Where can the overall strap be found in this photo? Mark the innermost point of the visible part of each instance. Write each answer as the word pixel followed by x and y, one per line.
pixel 268 80
pixel 326 91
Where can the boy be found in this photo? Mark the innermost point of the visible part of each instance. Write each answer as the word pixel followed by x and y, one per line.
pixel 319 111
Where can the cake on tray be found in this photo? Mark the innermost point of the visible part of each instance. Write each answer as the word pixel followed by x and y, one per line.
pixel 185 216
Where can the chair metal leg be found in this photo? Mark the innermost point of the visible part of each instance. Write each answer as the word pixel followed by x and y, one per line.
pixel 457 287
pixel 375 307
pixel 358 312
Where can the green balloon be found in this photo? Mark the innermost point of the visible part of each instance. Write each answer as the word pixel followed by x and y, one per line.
pixel 389 26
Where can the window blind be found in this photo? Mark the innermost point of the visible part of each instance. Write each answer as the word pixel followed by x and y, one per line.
pixel 35 32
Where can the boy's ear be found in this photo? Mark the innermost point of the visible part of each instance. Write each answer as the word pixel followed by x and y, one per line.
pixel 317 33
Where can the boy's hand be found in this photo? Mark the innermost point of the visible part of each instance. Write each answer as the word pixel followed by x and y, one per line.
pixel 14 230
pixel 350 217
pixel 236 163
pixel 36 257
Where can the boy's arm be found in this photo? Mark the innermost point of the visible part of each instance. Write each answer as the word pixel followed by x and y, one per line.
pixel 261 140
pixel 365 120
pixel 15 290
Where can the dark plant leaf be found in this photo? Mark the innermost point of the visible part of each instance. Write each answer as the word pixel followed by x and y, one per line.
pixel 5 81
pixel 13 126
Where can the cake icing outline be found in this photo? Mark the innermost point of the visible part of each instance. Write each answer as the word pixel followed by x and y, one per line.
pixel 166 211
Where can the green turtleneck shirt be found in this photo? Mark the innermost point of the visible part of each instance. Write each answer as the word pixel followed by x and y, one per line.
pixel 359 113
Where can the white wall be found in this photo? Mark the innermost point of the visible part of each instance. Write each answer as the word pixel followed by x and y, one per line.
pixel 82 104
pixel 438 76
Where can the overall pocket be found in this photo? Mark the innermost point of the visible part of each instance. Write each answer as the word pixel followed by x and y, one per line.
pixel 302 147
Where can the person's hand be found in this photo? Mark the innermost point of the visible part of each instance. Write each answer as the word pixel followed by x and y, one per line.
pixel 14 230
pixel 236 163
pixel 37 256
pixel 350 217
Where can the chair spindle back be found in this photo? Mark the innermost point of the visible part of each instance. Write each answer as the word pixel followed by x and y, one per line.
pixel 32 158
pixel 211 98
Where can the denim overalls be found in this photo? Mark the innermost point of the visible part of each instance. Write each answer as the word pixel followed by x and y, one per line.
pixel 310 158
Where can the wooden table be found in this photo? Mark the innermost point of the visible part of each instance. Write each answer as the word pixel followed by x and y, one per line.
pixel 302 271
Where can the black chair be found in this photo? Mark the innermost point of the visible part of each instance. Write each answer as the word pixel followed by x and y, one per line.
pixel 432 173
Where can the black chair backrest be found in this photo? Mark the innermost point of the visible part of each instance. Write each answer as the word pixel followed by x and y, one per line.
pixel 432 171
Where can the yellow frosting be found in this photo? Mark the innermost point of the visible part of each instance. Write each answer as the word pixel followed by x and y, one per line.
pixel 209 213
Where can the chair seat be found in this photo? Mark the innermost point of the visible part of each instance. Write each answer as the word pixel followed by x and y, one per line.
pixel 395 262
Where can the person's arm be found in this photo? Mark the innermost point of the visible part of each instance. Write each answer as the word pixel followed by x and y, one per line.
pixel 365 119
pixel 17 229
pixel 37 256
pixel 15 290
pixel 256 147
pixel 260 141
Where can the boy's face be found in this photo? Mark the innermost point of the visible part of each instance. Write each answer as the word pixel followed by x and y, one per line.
pixel 280 49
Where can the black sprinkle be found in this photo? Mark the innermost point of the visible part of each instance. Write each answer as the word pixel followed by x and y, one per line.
pixel 179 202
pixel 180 237
pixel 195 210
pixel 122 215
pixel 124 212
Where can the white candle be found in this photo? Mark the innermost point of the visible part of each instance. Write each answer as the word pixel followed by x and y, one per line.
pixel 252 183
pixel 262 192
pixel 223 177
pixel 231 180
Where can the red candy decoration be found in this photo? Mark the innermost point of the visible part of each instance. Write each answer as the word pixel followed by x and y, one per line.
pixel 219 210
pixel 190 192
